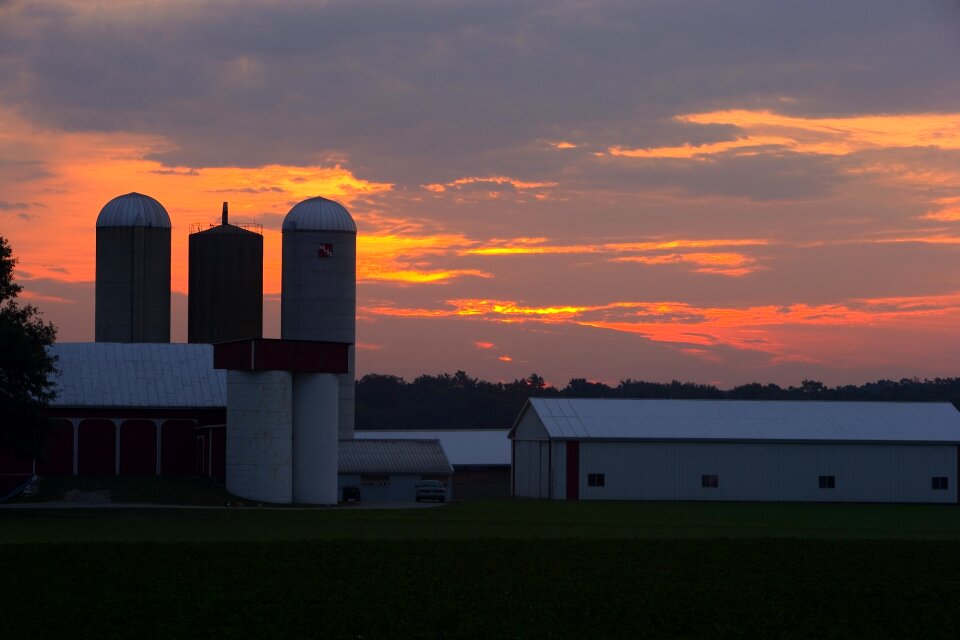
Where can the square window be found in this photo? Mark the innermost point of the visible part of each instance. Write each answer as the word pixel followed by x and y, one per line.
pixel 595 479
pixel 939 483
pixel 710 481
pixel 828 482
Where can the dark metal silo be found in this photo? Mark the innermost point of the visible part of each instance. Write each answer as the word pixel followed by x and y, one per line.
pixel 226 284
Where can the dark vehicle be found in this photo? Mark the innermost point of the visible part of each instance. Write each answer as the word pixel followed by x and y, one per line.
pixel 430 490
pixel 350 492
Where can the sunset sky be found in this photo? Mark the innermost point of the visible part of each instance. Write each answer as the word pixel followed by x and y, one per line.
pixel 717 192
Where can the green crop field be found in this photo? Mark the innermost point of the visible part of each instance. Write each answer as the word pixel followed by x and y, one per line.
pixel 489 569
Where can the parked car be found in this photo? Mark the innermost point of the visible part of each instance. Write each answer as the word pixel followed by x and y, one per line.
pixel 430 490
pixel 350 492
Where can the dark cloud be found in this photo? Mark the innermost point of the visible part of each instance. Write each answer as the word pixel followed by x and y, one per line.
pixel 398 87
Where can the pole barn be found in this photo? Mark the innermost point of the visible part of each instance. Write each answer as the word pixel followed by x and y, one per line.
pixel 804 451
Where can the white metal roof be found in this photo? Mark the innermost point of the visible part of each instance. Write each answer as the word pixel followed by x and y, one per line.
pixel 462 446
pixel 319 214
pixel 110 374
pixel 747 420
pixel 133 210
pixel 392 456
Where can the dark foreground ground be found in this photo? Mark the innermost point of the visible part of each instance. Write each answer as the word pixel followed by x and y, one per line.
pixel 485 570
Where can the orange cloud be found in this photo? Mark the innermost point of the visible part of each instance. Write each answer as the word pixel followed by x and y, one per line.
pixel 825 136
pixel 484 345
pixel 758 329
pixel 505 359
pixel 727 264
pixel 89 169
pixel 400 258
pixel 491 180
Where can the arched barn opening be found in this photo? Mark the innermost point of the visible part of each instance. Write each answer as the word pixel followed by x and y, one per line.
pixel 96 448
pixel 138 448
pixel 178 448
pixel 58 458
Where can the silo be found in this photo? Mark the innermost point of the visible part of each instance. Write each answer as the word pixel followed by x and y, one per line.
pixel 319 286
pixel 225 299
pixel 133 271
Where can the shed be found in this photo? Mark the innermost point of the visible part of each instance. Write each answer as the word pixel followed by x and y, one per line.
pixel 598 449
pixel 480 457
pixel 388 470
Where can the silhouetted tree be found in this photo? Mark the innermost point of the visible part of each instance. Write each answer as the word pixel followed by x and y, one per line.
pixel 25 366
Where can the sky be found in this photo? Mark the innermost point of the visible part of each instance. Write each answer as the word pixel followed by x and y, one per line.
pixel 715 192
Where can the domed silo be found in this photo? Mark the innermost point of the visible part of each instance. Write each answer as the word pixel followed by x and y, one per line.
pixel 319 285
pixel 225 299
pixel 133 271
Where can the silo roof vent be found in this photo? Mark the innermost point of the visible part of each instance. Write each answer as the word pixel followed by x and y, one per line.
pixel 319 214
pixel 133 210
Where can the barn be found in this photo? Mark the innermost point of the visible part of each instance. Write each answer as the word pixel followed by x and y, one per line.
pixel 612 449
pixel 131 409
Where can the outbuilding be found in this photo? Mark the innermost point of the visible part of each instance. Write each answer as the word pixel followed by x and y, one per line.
pixel 389 470
pixel 480 457
pixel 593 449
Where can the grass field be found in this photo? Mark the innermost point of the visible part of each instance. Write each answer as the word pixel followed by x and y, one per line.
pixel 501 569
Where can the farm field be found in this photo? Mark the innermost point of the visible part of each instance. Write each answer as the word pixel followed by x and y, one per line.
pixel 511 519
pixel 507 569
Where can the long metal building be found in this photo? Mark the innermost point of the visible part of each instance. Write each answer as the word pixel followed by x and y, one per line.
pixel 590 449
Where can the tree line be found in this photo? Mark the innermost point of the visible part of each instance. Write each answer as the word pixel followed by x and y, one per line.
pixel 460 402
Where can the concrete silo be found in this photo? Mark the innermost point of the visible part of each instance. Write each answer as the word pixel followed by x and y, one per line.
pixel 226 284
pixel 133 271
pixel 319 286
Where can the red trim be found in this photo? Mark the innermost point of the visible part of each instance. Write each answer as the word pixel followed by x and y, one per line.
pixel 573 470
pixel 261 354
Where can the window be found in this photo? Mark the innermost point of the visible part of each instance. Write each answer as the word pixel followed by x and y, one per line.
pixel 375 480
pixel 595 479
pixel 939 482
pixel 828 482
pixel 710 481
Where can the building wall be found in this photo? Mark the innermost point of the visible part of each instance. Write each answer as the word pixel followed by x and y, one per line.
pixel 259 453
pixel 531 465
pixel 473 482
pixel 756 471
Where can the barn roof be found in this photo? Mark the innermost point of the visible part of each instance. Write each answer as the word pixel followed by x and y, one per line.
pixel 392 456
pixel 806 421
pixel 462 446
pixel 110 374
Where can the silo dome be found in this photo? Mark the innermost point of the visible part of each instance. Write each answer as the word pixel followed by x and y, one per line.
pixel 133 210
pixel 319 214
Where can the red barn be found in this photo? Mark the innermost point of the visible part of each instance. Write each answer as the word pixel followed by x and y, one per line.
pixel 131 409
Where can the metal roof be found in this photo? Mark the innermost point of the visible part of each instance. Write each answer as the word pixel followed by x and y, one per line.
pixel 392 456
pixel 462 446
pixel 110 374
pixel 133 210
pixel 747 420
pixel 319 214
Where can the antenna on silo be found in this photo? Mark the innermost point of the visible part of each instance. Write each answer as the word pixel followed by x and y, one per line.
pixel 224 216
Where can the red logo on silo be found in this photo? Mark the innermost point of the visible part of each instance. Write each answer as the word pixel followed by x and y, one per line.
pixel 325 250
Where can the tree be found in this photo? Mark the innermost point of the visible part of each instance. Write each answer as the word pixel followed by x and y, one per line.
pixel 26 366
